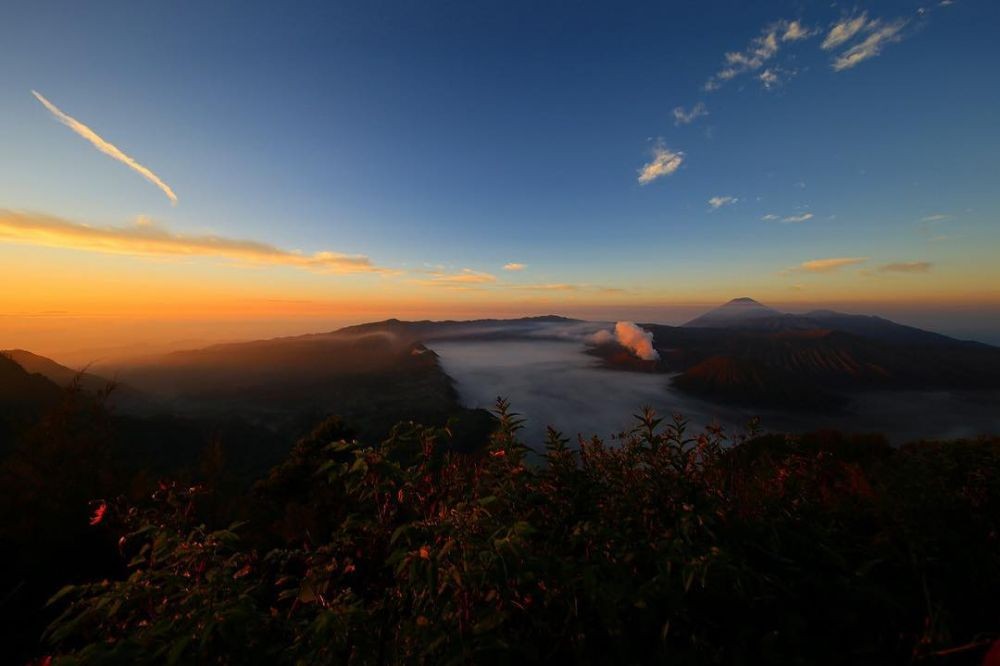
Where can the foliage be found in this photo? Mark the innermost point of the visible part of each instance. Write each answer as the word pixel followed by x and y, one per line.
pixel 661 546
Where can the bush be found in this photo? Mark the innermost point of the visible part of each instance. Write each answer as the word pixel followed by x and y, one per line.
pixel 661 546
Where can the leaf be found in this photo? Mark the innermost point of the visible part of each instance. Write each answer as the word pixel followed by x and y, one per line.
pixel 60 594
pixel 177 650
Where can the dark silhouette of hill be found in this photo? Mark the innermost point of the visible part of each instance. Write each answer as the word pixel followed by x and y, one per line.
pixel 56 372
pixel 122 396
pixel 24 396
pixel 372 377
pixel 21 389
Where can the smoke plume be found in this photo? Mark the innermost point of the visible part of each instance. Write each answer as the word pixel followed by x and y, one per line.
pixel 630 336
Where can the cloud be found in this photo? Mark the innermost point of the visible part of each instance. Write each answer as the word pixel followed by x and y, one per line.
pixel 759 51
pixel 907 267
pixel 937 217
pixel 718 202
pixel 559 286
pixel 514 266
pixel 794 31
pixel 769 217
pixel 464 278
pixel 682 117
pixel 148 239
pixel 769 78
pixel 105 147
pixel 630 336
pixel 797 218
pixel 872 45
pixel 664 163
pixel 844 31
pixel 565 286
pixel 829 265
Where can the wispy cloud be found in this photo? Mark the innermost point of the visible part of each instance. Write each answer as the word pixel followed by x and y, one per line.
pixel 907 267
pixel 682 117
pixel 664 163
pixel 794 31
pixel 879 36
pixel 105 147
pixel 829 265
pixel 769 78
pixel 788 219
pixel 464 278
pixel 556 286
pixel 759 51
pixel 148 239
pixel 566 287
pixel 844 30
pixel 715 203
pixel 937 217
pixel 514 266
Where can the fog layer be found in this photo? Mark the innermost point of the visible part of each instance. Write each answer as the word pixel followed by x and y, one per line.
pixel 555 383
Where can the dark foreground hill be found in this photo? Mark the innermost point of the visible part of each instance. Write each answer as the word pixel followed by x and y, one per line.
pixel 24 396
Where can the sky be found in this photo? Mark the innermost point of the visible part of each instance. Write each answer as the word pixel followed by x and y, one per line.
pixel 185 173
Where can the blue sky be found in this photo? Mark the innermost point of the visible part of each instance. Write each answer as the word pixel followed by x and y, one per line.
pixel 444 136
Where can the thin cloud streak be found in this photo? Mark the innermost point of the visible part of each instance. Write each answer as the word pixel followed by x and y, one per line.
pixel 829 265
pixel 759 51
pixel 514 266
pixel 682 117
pixel 715 203
pixel 870 46
pixel 907 267
pixel 844 31
pixel 105 147
pixel 466 278
pixel 148 239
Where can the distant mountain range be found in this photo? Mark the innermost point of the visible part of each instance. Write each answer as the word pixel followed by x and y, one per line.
pixel 742 352
pixel 747 314
pixel 749 353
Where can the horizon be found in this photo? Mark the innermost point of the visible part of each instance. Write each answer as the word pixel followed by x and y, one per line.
pixel 333 165
pixel 969 328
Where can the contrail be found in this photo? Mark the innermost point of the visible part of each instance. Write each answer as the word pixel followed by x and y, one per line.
pixel 107 148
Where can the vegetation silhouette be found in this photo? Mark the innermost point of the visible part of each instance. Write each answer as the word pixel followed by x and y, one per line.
pixel 658 545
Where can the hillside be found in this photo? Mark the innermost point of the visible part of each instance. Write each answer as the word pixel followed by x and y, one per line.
pixel 23 397
pixel 747 353
pixel 370 377
pixel 55 372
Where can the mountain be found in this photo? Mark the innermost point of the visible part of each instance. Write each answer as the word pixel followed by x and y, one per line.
pixel 20 389
pixel 123 397
pixel 734 313
pixel 372 376
pixel 55 372
pixel 23 397
pixel 734 379
pixel 748 353
pixel 746 313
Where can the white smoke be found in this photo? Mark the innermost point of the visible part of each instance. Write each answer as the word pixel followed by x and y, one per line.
pixel 630 336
